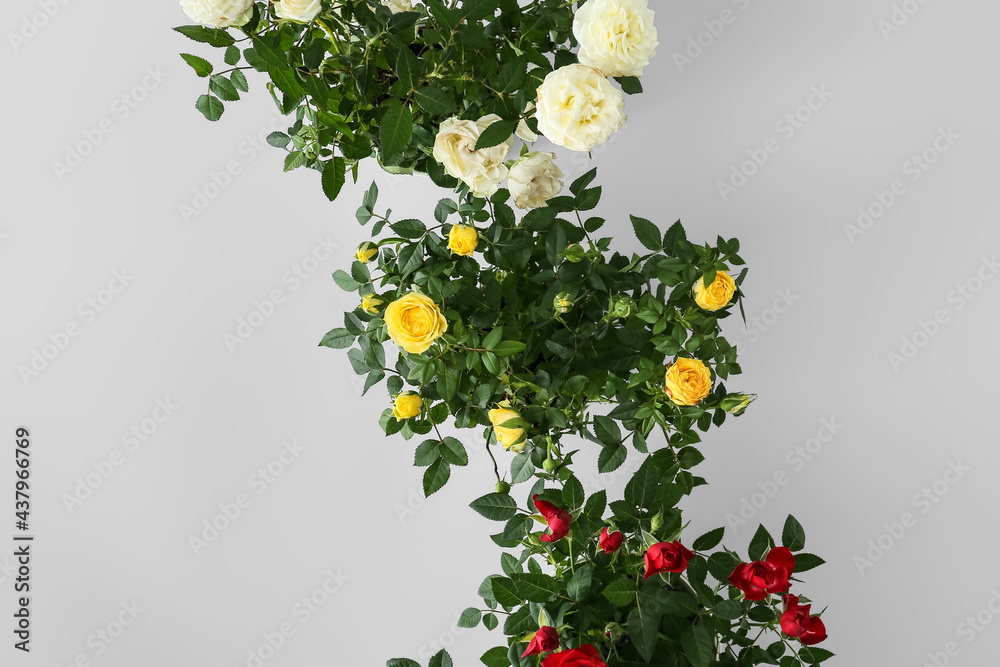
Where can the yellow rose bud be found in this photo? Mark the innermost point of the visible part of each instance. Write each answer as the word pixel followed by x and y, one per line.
pixel 512 435
pixel 366 252
pixel 372 303
pixel 688 381
pixel 407 405
pixel 562 303
pixel 718 294
pixel 736 404
pixel 462 239
pixel 414 322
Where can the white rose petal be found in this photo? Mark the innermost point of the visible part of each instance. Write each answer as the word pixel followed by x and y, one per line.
pixel 534 179
pixel 616 36
pixel 398 5
pixel 578 108
pixel 218 13
pixel 301 11
pixel 455 148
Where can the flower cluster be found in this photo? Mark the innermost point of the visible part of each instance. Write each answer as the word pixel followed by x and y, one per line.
pixel 432 87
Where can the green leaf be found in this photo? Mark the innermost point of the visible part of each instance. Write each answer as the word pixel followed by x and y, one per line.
pixel 647 233
pixel 709 540
pixel 689 457
pixel 805 562
pixel 579 585
pixel 521 468
pixel 760 543
pixel 607 431
pixel 698 642
pixel 232 55
pixel 621 592
pixel 495 506
pixel 212 36
pixel 611 458
pixel 434 101
pixel 338 339
pixel 211 106
pixel 224 88
pixel 506 592
pixel 470 618
pixel 409 228
pixel 407 67
pixel 440 659
pixel 508 348
pixel 497 133
pixel 201 66
pixel 588 199
pixel 573 493
pixel 268 54
pixel 401 662
pixel 814 654
pixel 334 177
pixel 240 81
pixel 793 535
pixel 491 622
pixel 630 84
pixel 537 587
pixel 396 128
pixel 278 139
pixel 436 476
pixel 454 452
pixel 728 610
pixel 495 657
pixel 582 182
pixel 284 79
pixel 643 623
pixel 345 281
pixel 493 338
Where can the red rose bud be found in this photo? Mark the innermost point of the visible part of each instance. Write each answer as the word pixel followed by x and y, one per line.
pixel 545 640
pixel 558 519
pixel 667 557
pixel 759 579
pixel 585 656
pixel 611 542
pixel 797 622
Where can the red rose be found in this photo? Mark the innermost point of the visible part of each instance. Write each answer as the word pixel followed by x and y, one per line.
pixel 667 557
pixel 797 622
pixel 585 656
pixel 611 542
pixel 558 519
pixel 546 639
pixel 760 578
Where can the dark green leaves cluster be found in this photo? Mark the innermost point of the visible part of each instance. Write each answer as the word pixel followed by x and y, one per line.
pixel 362 81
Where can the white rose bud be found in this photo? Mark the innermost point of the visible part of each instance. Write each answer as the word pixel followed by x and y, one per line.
pixel 534 179
pixel 578 108
pixel 455 148
pixel 301 11
pixel 398 5
pixel 616 36
pixel 218 13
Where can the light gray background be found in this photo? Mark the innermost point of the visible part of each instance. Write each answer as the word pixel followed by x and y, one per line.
pixel 348 504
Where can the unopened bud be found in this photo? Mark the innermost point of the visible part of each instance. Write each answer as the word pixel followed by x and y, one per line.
pixel 502 487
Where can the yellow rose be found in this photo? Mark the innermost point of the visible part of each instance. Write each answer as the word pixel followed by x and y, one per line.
pixel 366 252
pixel 414 322
pixel 511 437
pixel 371 303
pixel 407 405
pixel 718 294
pixel 578 108
pixel 688 381
pixel 462 239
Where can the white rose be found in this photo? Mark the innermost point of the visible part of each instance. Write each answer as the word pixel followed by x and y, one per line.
pixel 616 36
pixel 455 148
pixel 398 5
pixel 578 108
pixel 218 13
pixel 302 11
pixel 534 179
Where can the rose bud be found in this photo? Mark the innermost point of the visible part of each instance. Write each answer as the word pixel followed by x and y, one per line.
pixel 759 579
pixel 562 303
pixel 558 519
pixel 545 640
pixel 585 656
pixel 611 542
pixel 736 404
pixel 624 307
pixel 366 252
pixel 667 557
pixel 796 622
pixel 407 405
pixel 372 304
